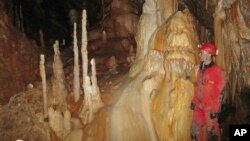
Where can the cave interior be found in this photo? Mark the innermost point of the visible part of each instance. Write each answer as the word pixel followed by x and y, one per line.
pixel 103 69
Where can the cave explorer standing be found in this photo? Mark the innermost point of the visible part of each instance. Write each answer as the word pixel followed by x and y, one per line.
pixel 207 98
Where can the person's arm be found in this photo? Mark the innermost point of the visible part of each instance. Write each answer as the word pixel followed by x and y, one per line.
pixel 219 86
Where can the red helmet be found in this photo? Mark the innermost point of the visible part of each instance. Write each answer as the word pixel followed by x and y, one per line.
pixel 210 48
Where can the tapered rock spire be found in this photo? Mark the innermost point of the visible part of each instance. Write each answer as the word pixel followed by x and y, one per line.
pixel 76 81
pixel 59 90
pixel 45 91
pixel 92 101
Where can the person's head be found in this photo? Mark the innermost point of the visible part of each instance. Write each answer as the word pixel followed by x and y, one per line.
pixel 207 52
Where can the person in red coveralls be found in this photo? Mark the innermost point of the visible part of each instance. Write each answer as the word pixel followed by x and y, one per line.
pixel 206 102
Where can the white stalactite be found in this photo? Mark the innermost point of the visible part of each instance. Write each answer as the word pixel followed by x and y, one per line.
pixel 76 81
pixel 44 84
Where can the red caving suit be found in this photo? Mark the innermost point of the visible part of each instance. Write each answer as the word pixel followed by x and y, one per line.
pixel 206 103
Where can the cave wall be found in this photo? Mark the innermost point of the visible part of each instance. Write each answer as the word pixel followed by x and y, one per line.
pixel 228 23
pixel 18 59
pixel 154 101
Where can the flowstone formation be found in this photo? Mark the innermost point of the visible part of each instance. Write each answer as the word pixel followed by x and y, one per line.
pixel 171 112
pixel 155 103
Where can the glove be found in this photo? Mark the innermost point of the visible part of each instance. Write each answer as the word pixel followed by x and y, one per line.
pixel 214 115
pixel 192 106
pixel 212 136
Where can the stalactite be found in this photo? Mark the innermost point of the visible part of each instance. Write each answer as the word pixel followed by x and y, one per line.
pixel 112 65
pixel 44 84
pixel 206 5
pixel 158 14
pixel 17 20
pixel 218 19
pixel 76 81
pixel 21 18
pixel 42 44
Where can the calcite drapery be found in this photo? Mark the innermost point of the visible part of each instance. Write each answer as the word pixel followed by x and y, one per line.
pixel 171 112
pixel 175 42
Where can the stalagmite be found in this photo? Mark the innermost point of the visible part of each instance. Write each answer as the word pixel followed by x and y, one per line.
pixel 67 123
pixel 104 36
pixel 84 47
pixel 131 57
pixel 59 90
pixel 60 123
pixel 95 88
pixel 86 83
pixel 43 76
pixel 97 102
pixel 56 121
pixel 89 103
pixel 87 111
pixel 76 81
pixel 112 65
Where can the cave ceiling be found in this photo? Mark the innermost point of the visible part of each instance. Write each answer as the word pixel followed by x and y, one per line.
pixel 52 15
pixel 110 30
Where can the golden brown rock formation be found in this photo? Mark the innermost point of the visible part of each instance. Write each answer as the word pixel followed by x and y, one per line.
pixel 171 112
